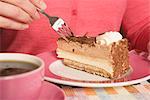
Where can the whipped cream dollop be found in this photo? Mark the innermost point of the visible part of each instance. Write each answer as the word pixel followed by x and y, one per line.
pixel 108 38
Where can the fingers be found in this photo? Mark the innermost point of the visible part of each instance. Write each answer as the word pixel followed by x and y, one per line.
pixel 15 13
pixel 11 24
pixel 132 52
pixel 143 54
pixel 148 48
pixel 148 57
pixel 26 5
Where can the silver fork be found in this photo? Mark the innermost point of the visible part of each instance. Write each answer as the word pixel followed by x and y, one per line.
pixel 59 25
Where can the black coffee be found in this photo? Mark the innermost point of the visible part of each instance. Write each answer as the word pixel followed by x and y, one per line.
pixel 15 67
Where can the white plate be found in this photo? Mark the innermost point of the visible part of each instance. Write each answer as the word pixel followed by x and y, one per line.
pixel 61 74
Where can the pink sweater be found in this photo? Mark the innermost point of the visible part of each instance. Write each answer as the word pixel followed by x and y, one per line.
pixel 92 16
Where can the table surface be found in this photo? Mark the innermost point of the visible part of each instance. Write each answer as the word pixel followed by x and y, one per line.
pixel 140 91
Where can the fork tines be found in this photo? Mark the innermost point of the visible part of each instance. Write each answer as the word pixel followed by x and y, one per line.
pixel 62 29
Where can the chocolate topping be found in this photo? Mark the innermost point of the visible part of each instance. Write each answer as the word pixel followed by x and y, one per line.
pixel 83 40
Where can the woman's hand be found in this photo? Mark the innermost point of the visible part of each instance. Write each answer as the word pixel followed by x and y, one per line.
pixel 18 14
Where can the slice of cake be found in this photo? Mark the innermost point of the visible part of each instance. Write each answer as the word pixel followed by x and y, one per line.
pixel 105 55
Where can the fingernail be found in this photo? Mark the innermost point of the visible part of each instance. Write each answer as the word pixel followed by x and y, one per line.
pixel 43 5
pixel 25 26
pixel 30 20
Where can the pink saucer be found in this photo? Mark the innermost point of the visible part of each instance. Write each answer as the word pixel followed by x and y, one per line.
pixel 55 72
pixel 51 92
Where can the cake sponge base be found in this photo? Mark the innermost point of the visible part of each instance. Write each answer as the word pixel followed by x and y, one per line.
pixel 87 68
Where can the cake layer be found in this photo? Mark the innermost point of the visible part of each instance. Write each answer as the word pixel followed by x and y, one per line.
pixel 85 48
pixel 97 62
pixel 91 49
pixel 112 58
pixel 87 68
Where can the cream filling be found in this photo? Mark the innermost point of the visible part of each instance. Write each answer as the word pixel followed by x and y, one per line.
pixel 97 62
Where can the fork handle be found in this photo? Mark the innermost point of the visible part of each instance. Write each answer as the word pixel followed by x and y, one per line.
pixel 52 19
pixel 43 12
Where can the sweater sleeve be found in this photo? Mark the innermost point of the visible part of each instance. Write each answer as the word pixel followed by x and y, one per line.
pixel 136 23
